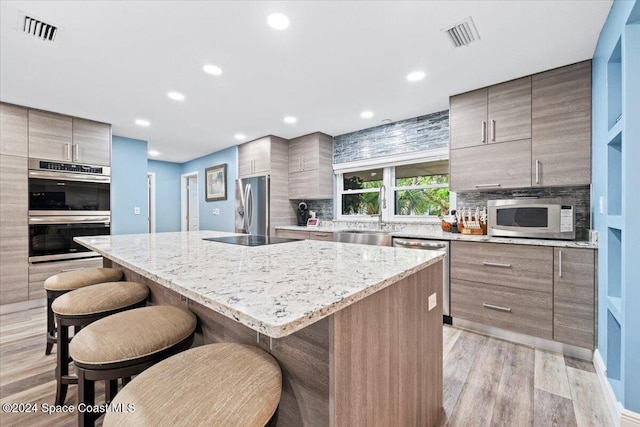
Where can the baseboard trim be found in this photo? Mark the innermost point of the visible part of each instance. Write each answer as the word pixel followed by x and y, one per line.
pixel 629 419
pixel 22 306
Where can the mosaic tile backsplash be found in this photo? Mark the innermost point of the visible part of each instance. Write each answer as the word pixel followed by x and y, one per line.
pixel 582 196
pixel 323 208
pixel 406 136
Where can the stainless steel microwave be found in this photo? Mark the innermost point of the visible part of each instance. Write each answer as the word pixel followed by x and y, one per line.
pixel 536 218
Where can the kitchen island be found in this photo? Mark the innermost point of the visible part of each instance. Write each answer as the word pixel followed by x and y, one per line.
pixel 354 327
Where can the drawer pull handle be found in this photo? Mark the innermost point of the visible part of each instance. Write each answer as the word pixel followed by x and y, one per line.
pixel 496 264
pixel 496 307
pixel 487 185
pixel 320 235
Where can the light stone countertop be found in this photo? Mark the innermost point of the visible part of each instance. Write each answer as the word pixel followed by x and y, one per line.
pixel 274 289
pixel 435 233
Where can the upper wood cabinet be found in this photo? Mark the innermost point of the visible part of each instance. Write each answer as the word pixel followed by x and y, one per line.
pixel 14 135
pixel 574 296
pixel 310 171
pixel 68 139
pixel 561 126
pixel 254 158
pixel 91 142
pixel 495 114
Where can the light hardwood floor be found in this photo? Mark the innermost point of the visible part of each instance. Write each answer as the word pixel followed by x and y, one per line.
pixel 487 381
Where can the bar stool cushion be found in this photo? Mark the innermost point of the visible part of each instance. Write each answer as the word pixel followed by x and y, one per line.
pixel 224 384
pixel 99 298
pixel 114 339
pixel 70 280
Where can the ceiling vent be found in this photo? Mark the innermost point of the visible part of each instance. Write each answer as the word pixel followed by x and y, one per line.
pixel 36 27
pixel 463 33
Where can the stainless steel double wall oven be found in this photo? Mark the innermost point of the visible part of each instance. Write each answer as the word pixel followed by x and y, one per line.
pixel 66 200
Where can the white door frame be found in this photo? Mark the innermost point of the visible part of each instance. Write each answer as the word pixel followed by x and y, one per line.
pixel 151 195
pixel 184 200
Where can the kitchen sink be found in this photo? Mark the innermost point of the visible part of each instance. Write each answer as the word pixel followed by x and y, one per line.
pixel 363 237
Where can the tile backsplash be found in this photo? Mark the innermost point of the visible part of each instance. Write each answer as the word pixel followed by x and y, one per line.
pixel 406 136
pixel 323 208
pixel 582 196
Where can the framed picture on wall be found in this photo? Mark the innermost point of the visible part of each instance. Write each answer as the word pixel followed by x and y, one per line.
pixel 216 183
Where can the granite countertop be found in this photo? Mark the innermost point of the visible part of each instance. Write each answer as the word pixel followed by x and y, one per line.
pixel 437 234
pixel 274 289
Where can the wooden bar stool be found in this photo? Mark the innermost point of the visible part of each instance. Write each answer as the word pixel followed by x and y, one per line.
pixel 125 344
pixel 84 306
pixel 222 384
pixel 69 281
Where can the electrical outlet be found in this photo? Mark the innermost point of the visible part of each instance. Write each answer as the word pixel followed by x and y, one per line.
pixel 433 301
pixel 136 210
pixel 216 211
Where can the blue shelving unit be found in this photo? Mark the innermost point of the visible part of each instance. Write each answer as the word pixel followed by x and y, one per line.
pixel 616 197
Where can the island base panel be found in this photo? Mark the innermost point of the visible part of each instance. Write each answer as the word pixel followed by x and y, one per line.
pixel 376 362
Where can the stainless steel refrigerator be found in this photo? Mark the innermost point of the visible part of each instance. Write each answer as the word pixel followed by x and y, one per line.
pixel 252 205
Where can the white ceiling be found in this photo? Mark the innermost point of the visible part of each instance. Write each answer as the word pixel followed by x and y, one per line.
pixel 116 61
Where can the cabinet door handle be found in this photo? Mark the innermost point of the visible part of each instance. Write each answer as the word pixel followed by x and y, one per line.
pixel 487 185
pixel 67 148
pixel 537 171
pixel 559 263
pixel 303 163
pixel 496 307
pixel 493 130
pixel 483 130
pixel 496 264
pixel 76 152
pixel 300 163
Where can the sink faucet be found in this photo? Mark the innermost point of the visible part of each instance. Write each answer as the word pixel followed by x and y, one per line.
pixel 382 204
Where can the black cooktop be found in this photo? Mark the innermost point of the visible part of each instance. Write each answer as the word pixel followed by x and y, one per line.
pixel 251 240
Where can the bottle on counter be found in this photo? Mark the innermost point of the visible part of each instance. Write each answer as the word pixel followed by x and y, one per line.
pixel 454 224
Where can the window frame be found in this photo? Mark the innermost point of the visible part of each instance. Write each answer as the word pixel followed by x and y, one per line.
pixel 388 165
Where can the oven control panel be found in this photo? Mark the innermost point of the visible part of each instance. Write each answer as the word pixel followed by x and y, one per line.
pixel 69 167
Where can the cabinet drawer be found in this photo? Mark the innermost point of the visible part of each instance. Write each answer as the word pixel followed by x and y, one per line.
pixel 514 266
pixel 518 310
pixel 292 234
pixel 38 273
pixel 319 235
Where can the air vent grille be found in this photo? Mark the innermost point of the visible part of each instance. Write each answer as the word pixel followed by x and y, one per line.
pixel 463 32
pixel 38 28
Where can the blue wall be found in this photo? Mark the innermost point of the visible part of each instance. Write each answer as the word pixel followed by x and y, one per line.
pixel 225 220
pixel 167 194
pixel 128 186
pixel 616 154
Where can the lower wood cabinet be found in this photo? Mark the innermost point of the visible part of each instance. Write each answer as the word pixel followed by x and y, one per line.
pixel 574 296
pixel 306 235
pixel 40 272
pixel 543 291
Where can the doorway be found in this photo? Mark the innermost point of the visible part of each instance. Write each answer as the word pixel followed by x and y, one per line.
pixel 151 200
pixel 189 196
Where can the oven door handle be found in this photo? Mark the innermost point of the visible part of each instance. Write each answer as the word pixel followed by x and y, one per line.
pixel 70 220
pixel 67 176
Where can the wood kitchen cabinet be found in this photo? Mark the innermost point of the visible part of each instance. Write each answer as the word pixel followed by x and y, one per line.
pixel 494 166
pixel 499 113
pixel 310 171
pixel 40 272
pixel 574 296
pixel 561 126
pixel 543 291
pixel 306 235
pixel 68 139
pixel 14 131
pixel 254 158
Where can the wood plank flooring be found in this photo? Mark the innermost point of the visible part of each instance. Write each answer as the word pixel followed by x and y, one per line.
pixel 487 381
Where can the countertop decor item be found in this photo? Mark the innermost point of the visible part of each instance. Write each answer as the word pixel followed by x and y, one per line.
pixel 216 183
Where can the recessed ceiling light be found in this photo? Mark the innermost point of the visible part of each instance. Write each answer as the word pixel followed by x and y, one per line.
pixel 153 153
pixel 290 119
pixel 141 122
pixel 212 69
pixel 240 136
pixel 366 114
pixel 278 21
pixel 176 96
pixel 415 76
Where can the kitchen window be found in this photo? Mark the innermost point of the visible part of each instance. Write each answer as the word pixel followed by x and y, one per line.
pixel 409 192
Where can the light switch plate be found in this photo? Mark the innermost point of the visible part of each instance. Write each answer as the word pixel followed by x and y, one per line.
pixel 216 211
pixel 433 301
pixel 136 210
pixel 601 203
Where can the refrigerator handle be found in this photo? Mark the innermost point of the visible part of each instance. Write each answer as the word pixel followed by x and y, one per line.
pixel 248 211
